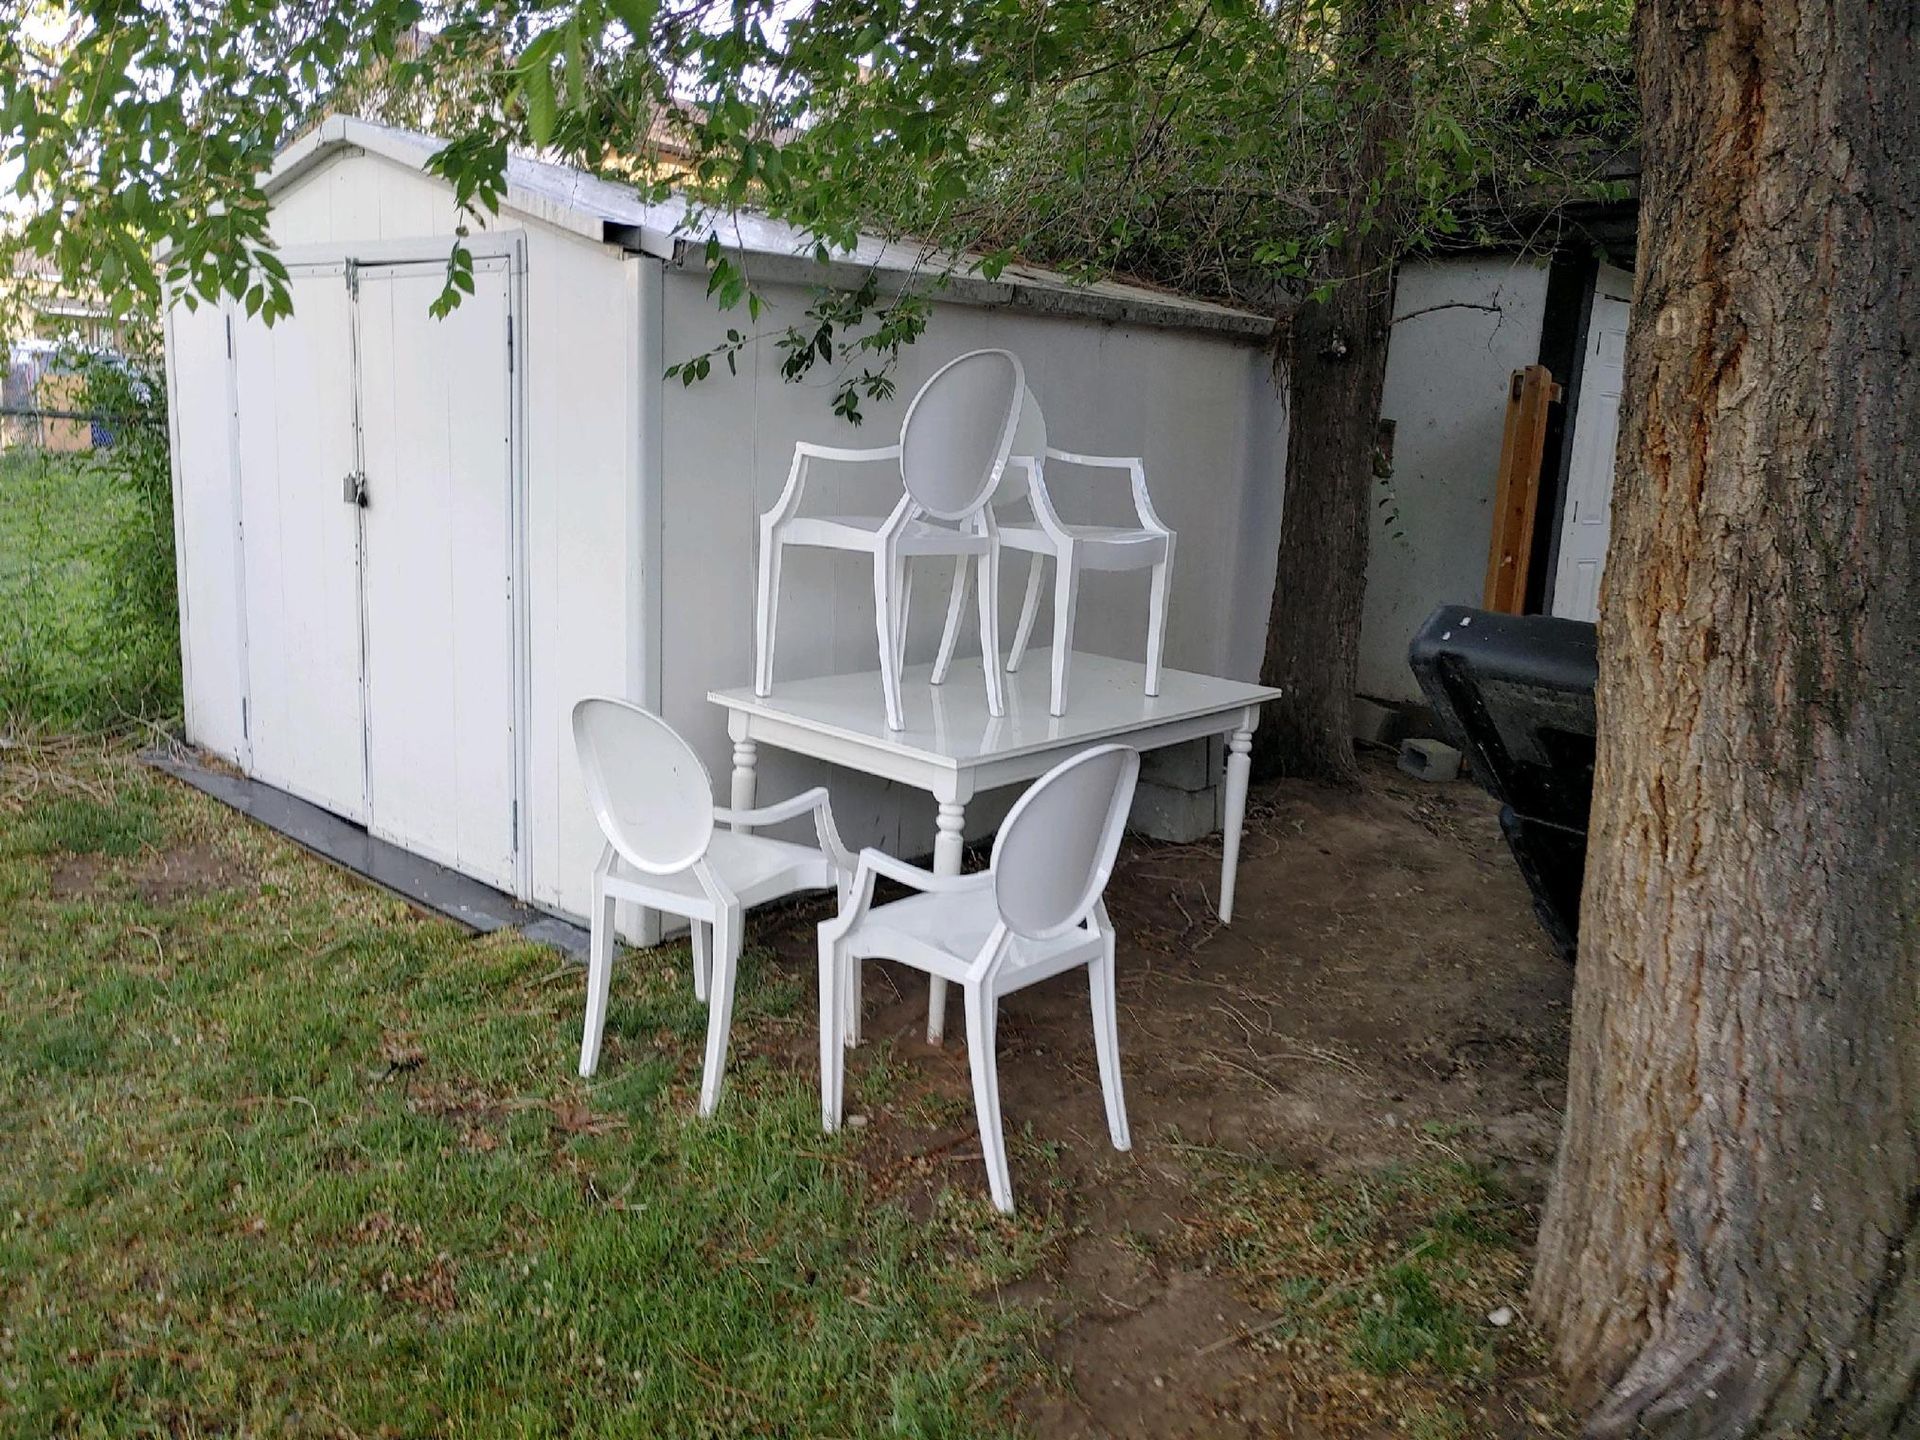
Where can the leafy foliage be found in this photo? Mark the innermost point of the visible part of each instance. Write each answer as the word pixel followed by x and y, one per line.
pixel 1189 143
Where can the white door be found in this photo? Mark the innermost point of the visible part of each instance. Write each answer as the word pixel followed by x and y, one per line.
pixel 1596 429
pixel 299 544
pixel 437 565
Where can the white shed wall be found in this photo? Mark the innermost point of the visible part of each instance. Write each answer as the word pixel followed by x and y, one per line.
pixel 212 621
pixel 582 358
pixel 359 198
pixel 1446 385
pixel 1203 411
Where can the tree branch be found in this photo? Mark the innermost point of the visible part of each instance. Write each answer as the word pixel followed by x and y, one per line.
pixel 1450 305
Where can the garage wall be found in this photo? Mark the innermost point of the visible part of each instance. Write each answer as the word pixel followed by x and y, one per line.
pixel 1201 410
pixel 1466 326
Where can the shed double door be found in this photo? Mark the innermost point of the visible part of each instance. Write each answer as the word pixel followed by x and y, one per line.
pixel 378 541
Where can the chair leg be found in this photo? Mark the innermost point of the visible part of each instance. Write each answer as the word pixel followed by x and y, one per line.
pixel 982 1017
pixel 990 631
pixel 599 978
pixel 903 588
pixel 949 637
pixel 833 1052
pixel 1157 617
pixel 1106 1045
pixel 702 959
pixel 726 967
pixel 1029 609
pixel 1066 598
pixel 850 1003
pixel 883 626
pixel 766 613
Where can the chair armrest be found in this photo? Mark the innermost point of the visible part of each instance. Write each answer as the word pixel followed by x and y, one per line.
pixel 916 878
pixel 814 801
pixel 875 863
pixel 803 451
pixel 1136 469
pixel 1097 462
pixel 850 457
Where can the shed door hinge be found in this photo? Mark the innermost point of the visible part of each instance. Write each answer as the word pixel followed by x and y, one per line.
pixel 229 320
pixel 516 827
pixel 509 344
pixel 246 729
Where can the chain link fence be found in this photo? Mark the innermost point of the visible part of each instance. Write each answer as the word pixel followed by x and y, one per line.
pixel 88 617
pixel 63 431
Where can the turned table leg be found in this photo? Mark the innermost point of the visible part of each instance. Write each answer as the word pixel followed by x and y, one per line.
pixel 746 762
pixel 1239 764
pixel 947 850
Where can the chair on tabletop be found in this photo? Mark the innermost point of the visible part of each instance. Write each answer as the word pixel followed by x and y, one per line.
pixel 1044 536
pixel 951 455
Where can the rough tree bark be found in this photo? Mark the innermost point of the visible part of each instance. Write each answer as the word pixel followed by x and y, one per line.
pixel 1332 357
pixel 1732 1242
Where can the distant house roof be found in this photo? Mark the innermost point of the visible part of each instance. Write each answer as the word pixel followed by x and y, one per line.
pixel 610 213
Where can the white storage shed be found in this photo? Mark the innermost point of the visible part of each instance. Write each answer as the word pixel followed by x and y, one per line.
pixel 408 545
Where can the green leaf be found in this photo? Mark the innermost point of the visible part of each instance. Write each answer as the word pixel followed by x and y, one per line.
pixel 636 15
pixel 575 68
pixel 536 85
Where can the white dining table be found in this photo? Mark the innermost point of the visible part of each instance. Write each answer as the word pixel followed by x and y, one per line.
pixel 953 749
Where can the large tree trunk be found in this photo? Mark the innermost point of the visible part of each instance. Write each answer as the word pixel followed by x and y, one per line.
pixel 1333 357
pixel 1732 1243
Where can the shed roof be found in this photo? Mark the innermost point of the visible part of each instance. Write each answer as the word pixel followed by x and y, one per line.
pixel 607 212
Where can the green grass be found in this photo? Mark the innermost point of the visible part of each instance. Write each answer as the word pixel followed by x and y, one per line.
pixel 285 1158
pixel 1390 1264
pixel 87 637
pixel 1378 1285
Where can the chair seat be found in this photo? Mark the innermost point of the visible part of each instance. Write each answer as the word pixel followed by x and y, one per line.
pixel 943 934
pixel 862 532
pixel 1106 547
pixel 756 868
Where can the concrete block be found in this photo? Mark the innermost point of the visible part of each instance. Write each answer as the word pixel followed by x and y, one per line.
pixel 1429 760
pixel 1167 812
pixel 1195 765
pixel 1371 720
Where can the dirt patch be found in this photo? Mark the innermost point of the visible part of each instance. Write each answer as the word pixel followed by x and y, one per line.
pixel 1383 999
pixel 184 873
pixel 159 878
pixel 76 877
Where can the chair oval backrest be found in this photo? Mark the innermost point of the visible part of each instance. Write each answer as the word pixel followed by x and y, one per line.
pixel 1030 443
pixel 955 439
pixel 649 791
pixel 1057 845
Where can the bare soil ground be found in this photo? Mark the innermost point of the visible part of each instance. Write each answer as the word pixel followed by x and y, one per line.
pixel 1384 1005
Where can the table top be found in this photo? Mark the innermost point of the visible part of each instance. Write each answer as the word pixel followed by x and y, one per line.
pixel 949 723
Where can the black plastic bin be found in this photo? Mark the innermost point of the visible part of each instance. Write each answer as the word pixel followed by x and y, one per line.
pixel 1514 694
